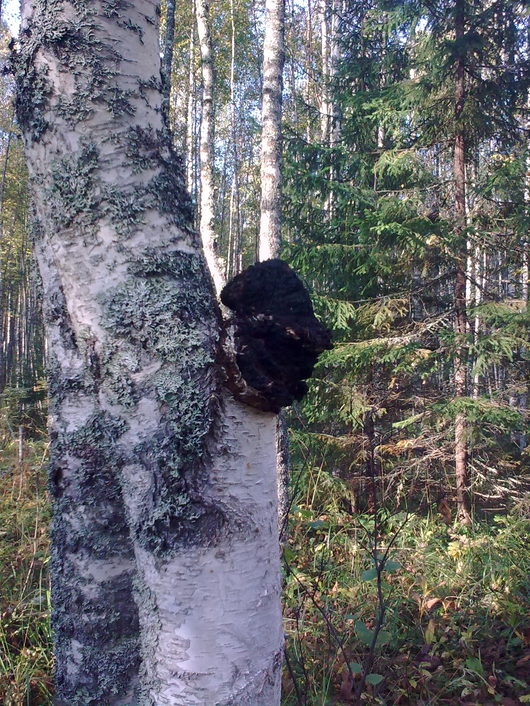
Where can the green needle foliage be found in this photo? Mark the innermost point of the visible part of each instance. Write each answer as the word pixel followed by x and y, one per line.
pixel 372 229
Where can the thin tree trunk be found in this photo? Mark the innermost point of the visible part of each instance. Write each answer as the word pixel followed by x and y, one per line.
pixel 525 271
pixel 167 58
pixel 234 233
pixel 271 194
pixel 334 117
pixel 271 131
pixel 460 372
pixel 190 119
pixel 308 66
pixel 165 561
pixel 207 215
pixel 325 108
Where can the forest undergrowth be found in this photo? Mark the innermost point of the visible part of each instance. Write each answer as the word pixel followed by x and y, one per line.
pixel 423 612
pixel 25 638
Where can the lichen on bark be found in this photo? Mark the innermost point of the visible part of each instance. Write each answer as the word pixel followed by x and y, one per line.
pixel 162 490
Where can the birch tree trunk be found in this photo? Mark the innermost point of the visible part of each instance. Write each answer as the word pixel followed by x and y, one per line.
pixel 459 167
pixel 190 118
pixel 271 130
pixel 209 239
pixel 233 260
pixel 165 561
pixel 167 57
pixel 270 233
pixel 325 32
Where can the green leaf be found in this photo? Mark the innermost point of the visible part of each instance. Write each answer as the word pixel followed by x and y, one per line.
pixel 383 638
pixel 391 565
pixel 365 634
pixel 374 679
pixel 356 668
pixel 369 574
pixel 475 665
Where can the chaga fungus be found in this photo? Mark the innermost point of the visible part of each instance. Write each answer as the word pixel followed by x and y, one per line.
pixel 277 337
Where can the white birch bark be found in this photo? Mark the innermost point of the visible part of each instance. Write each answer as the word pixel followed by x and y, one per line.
pixel 525 271
pixel 270 233
pixel 233 264
pixel 207 217
pixel 271 147
pixel 165 560
pixel 308 64
pixel 190 118
pixel 325 31
pixel 167 57
pixel 330 119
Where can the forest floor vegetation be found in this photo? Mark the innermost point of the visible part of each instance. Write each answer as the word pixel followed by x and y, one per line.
pixel 455 627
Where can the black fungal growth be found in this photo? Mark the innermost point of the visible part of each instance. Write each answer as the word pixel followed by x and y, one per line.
pixel 277 336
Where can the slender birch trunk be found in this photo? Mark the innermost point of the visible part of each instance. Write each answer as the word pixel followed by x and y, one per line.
pixel 525 271
pixel 207 216
pixel 271 194
pixel 330 120
pixel 190 117
pixel 168 41
pixel 165 562
pixel 308 65
pixel 271 130
pixel 233 265
pixel 325 32
pixel 460 372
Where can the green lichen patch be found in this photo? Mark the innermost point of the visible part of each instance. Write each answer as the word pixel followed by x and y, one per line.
pixel 33 90
pixel 153 83
pixel 76 45
pixel 188 419
pixel 164 309
pixel 84 476
pixel 119 102
pixel 72 191
pixel 89 517
pixel 74 110
pixel 99 635
pixel 97 437
pixel 96 623
pixel 173 524
pixel 141 146
pixel 64 382
pixel 169 191
pixel 114 9
pixel 125 209
pixel 118 384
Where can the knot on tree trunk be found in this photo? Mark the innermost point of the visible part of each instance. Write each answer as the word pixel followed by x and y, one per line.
pixel 274 335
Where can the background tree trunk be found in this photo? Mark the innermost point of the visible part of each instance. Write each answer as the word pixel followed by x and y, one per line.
pixel 460 374
pixel 167 57
pixel 271 147
pixel 207 215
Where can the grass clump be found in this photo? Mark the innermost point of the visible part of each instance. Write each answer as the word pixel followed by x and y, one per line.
pixel 25 640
